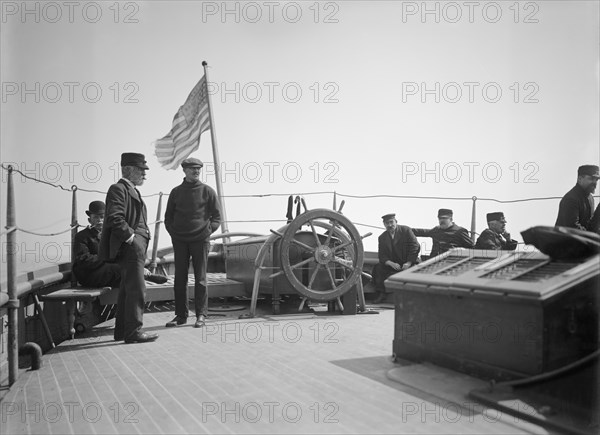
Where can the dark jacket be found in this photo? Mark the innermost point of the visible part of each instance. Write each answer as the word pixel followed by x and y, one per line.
pixel 404 247
pixel 575 209
pixel 193 212
pixel 491 240
pixel 445 239
pixel 87 242
pixel 124 209
pixel 594 224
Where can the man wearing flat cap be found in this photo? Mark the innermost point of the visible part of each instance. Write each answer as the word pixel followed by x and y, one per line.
pixel 398 250
pixel 576 207
pixel 495 237
pixel 193 214
pixel 446 235
pixel 125 239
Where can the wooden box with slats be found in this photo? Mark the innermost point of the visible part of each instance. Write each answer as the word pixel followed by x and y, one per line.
pixel 497 314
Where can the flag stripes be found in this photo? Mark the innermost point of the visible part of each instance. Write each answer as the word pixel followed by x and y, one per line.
pixel 190 121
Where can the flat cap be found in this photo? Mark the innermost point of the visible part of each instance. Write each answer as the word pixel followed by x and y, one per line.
pixel 496 216
pixel 385 217
pixel 445 212
pixel 134 159
pixel 191 162
pixel 591 170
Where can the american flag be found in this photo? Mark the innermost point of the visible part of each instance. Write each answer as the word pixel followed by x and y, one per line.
pixel 190 121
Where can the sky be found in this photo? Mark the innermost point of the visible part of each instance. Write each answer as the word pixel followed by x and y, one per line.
pixel 494 100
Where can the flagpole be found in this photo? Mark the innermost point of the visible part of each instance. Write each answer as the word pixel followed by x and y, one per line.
pixel 217 163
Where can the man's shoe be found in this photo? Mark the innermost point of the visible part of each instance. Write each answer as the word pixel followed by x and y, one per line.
pixel 200 322
pixel 178 320
pixel 155 278
pixel 141 337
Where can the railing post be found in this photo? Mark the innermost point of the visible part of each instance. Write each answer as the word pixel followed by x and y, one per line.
pixel 74 226
pixel 11 281
pixel 473 218
pixel 156 233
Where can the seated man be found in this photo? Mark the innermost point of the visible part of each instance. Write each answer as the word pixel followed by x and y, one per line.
pixel 446 235
pixel 495 236
pixel 398 250
pixel 89 270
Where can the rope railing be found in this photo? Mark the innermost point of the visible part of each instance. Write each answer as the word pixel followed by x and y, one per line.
pixel 8 230
pixel 345 195
pixel 160 222
pixel 465 198
pixel 74 188
pixel 47 234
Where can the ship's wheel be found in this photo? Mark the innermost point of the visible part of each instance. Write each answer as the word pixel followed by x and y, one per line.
pixel 331 260
pixel 320 254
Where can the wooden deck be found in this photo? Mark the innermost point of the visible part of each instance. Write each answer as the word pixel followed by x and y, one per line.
pixel 308 373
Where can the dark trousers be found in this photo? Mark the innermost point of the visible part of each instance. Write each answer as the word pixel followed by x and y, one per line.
pixel 381 272
pixel 130 308
pixel 198 251
pixel 107 275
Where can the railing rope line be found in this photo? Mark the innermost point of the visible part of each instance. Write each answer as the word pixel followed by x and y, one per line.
pixel 48 234
pixel 263 195
pixel 8 230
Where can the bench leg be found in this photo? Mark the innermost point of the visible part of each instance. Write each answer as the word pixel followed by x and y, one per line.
pixel 38 307
pixel 70 305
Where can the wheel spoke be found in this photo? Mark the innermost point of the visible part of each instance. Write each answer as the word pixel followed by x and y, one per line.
pixel 342 246
pixel 313 276
pixel 302 263
pixel 314 233
pixel 303 245
pixel 330 232
pixel 331 278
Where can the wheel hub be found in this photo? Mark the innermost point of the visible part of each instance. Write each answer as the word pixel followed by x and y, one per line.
pixel 323 254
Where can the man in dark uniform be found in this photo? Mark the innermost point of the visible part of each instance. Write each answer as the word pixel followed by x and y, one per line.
pixel 576 207
pixel 193 214
pixel 398 250
pixel 125 240
pixel 446 235
pixel 594 224
pixel 89 269
pixel 495 236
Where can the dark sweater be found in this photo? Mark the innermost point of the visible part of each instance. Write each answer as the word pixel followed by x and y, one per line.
pixel 445 239
pixel 575 209
pixel 193 212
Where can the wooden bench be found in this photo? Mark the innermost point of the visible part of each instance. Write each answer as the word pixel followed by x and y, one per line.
pixel 219 286
pixel 31 283
pixel 73 295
